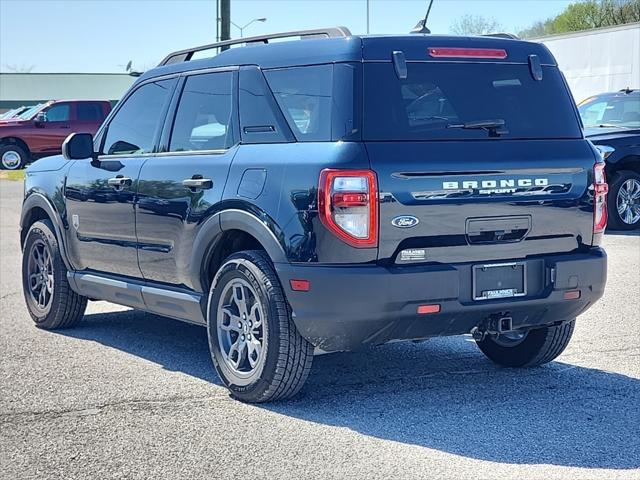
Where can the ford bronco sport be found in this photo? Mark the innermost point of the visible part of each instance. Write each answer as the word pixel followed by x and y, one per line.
pixel 329 193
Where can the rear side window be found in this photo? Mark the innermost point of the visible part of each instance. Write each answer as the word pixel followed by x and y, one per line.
pixel 304 96
pixel 203 117
pixel 437 96
pixel 89 112
pixel 134 126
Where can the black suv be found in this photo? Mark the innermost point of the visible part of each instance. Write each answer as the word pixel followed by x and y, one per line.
pixel 612 121
pixel 329 193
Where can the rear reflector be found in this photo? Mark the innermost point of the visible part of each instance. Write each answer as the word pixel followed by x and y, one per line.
pixel 300 285
pixel 424 309
pixel 572 295
pixel 453 52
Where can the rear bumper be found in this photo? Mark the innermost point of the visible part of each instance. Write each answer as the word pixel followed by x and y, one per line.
pixel 351 306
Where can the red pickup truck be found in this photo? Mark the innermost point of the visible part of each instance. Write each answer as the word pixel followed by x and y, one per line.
pixel 40 131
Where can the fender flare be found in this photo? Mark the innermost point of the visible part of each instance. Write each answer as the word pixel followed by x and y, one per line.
pixel 259 229
pixel 232 219
pixel 40 201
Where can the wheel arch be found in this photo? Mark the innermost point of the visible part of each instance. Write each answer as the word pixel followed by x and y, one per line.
pixel 37 207
pixel 628 162
pixel 227 232
pixel 16 141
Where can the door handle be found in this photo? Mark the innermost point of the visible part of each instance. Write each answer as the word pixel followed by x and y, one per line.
pixel 119 181
pixel 196 183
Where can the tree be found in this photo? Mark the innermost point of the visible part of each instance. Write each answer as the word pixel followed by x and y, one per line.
pixel 19 68
pixel 585 15
pixel 475 25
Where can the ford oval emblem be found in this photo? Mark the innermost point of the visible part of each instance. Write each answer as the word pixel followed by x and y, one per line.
pixel 405 221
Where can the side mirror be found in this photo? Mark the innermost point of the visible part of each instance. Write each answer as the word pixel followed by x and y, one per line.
pixel 78 146
pixel 40 119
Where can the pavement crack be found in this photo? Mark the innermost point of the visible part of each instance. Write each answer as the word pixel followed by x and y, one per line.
pixel 12 417
pixel 11 294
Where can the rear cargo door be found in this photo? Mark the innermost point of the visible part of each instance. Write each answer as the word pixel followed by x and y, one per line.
pixel 451 191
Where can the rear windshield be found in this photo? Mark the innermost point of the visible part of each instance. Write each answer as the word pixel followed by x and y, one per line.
pixel 436 99
pixel 611 111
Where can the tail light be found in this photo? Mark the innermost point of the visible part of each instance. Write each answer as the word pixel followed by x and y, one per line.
pixel 348 206
pixel 600 190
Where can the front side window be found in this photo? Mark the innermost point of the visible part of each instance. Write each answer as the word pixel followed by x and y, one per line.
pixel 134 127
pixel 59 113
pixel 203 117
pixel 304 96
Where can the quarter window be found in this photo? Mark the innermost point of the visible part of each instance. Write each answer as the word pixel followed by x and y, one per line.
pixel 304 95
pixel 203 117
pixel 134 126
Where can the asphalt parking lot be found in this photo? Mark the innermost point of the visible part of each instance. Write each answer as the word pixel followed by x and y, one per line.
pixel 132 395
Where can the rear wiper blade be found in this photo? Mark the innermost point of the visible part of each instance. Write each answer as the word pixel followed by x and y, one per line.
pixel 495 126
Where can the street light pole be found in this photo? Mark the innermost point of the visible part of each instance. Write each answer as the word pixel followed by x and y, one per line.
pixel 241 28
pixel 367 17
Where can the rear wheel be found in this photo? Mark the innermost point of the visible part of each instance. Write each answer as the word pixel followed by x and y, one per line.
pixel 255 346
pixel 527 349
pixel 50 301
pixel 12 157
pixel 624 200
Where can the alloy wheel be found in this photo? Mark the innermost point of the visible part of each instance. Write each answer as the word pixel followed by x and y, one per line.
pixel 241 328
pixel 628 201
pixel 40 271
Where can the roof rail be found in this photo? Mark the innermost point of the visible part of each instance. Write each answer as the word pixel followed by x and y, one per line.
pixel 501 35
pixel 187 54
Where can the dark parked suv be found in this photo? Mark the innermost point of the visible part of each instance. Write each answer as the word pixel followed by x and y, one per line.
pixel 612 121
pixel 329 193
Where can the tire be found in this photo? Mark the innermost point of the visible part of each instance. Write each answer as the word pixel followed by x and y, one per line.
pixel 535 348
pixel 279 369
pixel 623 214
pixel 12 157
pixel 59 306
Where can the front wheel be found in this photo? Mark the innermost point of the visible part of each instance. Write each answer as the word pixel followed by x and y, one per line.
pixel 50 301
pixel 255 346
pixel 527 349
pixel 12 157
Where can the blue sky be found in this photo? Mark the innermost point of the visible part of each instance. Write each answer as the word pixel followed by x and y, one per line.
pixel 103 35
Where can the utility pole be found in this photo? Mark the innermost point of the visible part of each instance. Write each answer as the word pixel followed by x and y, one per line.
pixel 225 21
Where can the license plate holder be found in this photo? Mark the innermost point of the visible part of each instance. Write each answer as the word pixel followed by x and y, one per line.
pixel 499 280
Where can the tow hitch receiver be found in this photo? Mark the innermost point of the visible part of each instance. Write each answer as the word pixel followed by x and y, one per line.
pixel 494 325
